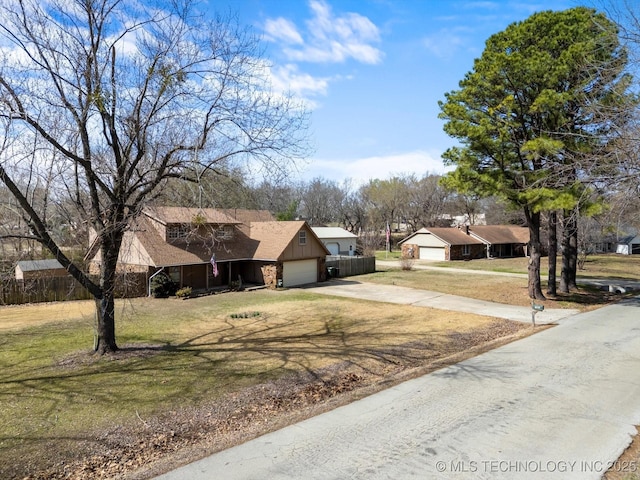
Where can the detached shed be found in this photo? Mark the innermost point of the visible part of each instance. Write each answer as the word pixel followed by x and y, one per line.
pixel 629 245
pixel 33 269
pixel 337 240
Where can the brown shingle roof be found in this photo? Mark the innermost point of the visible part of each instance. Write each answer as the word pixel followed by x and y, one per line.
pixel 274 237
pixel 266 241
pixel 166 215
pixel 166 254
pixel 248 216
pixel 453 236
pixel 489 234
pixel 501 234
pixel 448 235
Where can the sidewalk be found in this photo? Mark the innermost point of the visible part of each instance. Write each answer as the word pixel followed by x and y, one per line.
pixel 616 284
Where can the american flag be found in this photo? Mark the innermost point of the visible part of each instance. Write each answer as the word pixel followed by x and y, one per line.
pixel 214 265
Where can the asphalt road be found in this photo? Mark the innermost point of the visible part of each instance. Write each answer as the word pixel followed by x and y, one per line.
pixel 559 404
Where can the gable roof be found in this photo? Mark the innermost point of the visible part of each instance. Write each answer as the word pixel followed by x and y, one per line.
pixel 275 237
pixel 500 234
pixel 38 265
pixel 332 232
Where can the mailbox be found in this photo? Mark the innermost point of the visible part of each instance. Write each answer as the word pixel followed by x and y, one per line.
pixel 537 308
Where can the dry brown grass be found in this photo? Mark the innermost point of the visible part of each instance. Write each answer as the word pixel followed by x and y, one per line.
pixel 492 288
pixel 199 374
pixel 33 315
pixel 183 360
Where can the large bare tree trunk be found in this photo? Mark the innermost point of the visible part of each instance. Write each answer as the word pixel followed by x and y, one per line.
pixel 106 325
pixel 553 252
pixel 105 305
pixel 535 254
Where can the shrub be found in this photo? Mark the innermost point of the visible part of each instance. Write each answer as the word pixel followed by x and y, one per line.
pixel 245 315
pixel 407 263
pixel 162 286
pixel 184 292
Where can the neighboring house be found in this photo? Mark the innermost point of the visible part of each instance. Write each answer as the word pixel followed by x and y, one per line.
pixel 337 240
pixel 208 248
pixel 629 245
pixel 466 242
pixel 445 243
pixel 34 269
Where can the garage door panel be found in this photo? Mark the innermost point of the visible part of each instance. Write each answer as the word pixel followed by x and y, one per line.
pixel 300 272
pixel 334 248
pixel 432 253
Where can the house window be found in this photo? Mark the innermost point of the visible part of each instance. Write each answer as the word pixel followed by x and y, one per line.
pixel 174 274
pixel 302 237
pixel 224 232
pixel 466 250
pixel 175 232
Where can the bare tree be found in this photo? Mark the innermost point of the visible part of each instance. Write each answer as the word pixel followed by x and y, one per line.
pixel 108 99
pixel 424 203
pixel 321 200
pixel 352 214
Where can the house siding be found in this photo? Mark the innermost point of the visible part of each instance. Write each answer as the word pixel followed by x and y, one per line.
pixel 295 251
pixel 455 252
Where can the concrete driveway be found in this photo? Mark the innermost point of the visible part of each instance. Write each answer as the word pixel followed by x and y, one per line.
pixel 561 404
pixel 442 301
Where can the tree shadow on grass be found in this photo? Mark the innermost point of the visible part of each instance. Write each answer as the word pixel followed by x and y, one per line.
pixel 592 296
pixel 273 361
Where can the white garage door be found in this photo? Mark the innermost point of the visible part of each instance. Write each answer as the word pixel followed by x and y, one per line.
pixel 432 253
pixel 300 272
pixel 334 248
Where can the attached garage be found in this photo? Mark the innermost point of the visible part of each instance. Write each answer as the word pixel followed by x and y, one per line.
pixel 299 272
pixel 432 253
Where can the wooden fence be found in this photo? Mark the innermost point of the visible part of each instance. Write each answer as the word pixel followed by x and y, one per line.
pixel 347 266
pixel 57 289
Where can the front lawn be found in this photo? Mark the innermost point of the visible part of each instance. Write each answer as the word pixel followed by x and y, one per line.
pixel 459 279
pixel 206 371
pixel 603 265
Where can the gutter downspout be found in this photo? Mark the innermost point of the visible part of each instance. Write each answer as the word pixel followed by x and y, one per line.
pixel 151 277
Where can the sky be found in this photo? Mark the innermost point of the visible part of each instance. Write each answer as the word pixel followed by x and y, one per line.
pixel 372 72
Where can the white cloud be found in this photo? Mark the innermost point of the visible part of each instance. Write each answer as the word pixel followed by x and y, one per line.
pixel 330 38
pixel 282 29
pixel 303 85
pixel 361 170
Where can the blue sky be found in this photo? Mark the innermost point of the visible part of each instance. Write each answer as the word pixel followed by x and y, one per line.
pixel 373 71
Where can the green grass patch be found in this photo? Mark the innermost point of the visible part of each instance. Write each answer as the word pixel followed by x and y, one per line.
pixel 393 255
